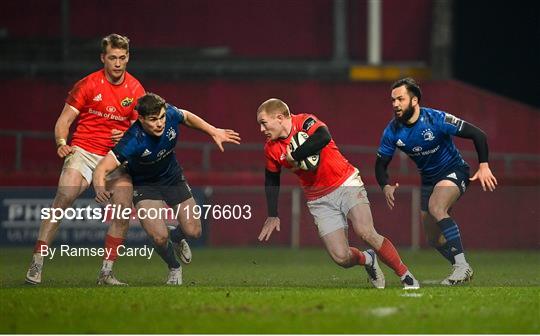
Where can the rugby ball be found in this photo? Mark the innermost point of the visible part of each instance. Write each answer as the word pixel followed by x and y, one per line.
pixel 309 163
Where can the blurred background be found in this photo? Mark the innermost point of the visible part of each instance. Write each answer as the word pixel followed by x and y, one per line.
pixel 333 58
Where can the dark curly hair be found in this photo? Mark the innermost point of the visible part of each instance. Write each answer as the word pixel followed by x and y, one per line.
pixel 412 87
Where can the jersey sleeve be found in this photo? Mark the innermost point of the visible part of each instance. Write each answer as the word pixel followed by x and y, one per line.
pixel 449 123
pixel 388 145
pixel 311 123
pixel 78 96
pixel 272 165
pixel 176 113
pixel 127 148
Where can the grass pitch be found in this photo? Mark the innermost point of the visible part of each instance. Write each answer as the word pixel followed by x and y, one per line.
pixel 270 290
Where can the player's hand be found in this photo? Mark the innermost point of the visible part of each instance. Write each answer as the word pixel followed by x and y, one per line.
pixel 225 135
pixel 64 151
pixel 116 135
pixel 289 157
pixel 270 224
pixel 102 195
pixel 388 191
pixel 485 176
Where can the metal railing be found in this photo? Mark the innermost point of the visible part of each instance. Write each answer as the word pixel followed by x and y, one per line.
pixel 207 148
pixel 208 164
pixel 297 202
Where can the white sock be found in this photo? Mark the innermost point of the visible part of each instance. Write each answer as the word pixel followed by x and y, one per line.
pixel 107 266
pixel 369 259
pixel 460 259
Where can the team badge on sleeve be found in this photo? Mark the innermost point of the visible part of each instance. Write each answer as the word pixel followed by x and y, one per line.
pixel 452 120
pixel 308 123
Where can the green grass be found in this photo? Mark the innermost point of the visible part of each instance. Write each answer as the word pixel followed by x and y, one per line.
pixel 263 290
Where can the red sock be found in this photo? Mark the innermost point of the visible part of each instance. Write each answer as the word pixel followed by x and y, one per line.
pixel 111 244
pixel 359 257
pixel 389 255
pixel 38 248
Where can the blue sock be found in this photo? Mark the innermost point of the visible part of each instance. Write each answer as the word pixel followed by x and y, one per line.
pixel 167 254
pixel 450 231
pixel 176 234
pixel 445 251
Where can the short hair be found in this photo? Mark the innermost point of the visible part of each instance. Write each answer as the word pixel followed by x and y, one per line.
pixel 114 41
pixel 150 104
pixel 410 84
pixel 273 106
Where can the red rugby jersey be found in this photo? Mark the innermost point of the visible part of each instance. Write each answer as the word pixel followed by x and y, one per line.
pixel 103 106
pixel 333 168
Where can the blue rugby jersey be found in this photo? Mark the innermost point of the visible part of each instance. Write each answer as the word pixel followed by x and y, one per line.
pixel 151 159
pixel 428 142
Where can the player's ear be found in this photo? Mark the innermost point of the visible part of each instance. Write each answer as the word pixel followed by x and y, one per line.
pixel 102 57
pixel 415 100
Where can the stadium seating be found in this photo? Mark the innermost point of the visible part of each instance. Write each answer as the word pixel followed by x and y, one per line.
pixel 304 29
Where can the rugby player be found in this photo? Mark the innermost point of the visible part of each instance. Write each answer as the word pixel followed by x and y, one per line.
pixel 425 135
pixel 103 102
pixel 148 149
pixel 334 190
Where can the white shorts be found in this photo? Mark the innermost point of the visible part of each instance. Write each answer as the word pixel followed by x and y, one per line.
pixel 85 162
pixel 330 211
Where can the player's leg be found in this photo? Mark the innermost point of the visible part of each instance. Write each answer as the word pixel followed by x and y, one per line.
pixel 355 206
pixel 122 193
pixel 444 195
pixel 189 225
pixel 362 221
pixel 70 185
pixel 333 228
pixel 434 236
pixel 158 232
pixel 337 246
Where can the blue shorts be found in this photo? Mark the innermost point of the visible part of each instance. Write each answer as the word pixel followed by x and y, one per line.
pixel 459 175
pixel 173 194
